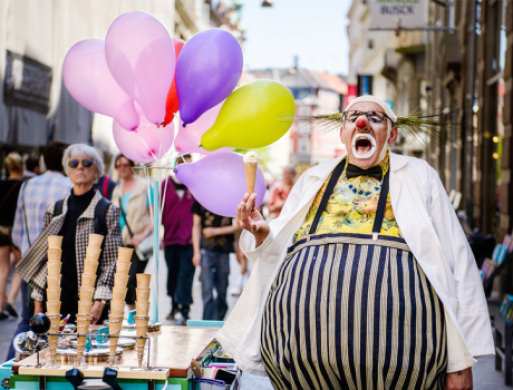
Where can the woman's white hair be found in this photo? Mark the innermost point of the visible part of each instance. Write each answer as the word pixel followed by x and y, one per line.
pixel 82 150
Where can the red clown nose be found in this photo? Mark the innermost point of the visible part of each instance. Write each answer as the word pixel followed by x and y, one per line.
pixel 361 123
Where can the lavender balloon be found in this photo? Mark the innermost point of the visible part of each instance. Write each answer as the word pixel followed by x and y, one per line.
pixel 218 182
pixel 208 69
pixel 88 79
pixel 141 56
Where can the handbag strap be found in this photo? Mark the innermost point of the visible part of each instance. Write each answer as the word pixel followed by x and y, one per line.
pixel 22 190
pixel 124 217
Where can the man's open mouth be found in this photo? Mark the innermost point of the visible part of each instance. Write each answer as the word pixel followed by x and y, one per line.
pixel 363 145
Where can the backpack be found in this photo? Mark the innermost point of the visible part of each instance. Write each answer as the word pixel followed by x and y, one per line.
pixel 100 215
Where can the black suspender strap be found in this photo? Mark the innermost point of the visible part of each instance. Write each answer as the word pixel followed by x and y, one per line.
pixel 327 193
pixel 382 203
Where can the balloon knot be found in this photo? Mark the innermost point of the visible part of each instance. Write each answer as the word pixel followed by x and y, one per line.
pixel 200 146
pixel 184 125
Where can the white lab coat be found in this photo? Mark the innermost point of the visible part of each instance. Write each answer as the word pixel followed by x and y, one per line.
pixel 430 227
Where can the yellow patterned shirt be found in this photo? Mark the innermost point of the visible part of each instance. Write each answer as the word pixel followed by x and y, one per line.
pixel 351 207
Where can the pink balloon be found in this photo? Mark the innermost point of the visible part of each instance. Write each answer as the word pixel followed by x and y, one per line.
pixel 147 143
pixel 218 182
pixel 88 79
pixel 141 56
pixel 189 138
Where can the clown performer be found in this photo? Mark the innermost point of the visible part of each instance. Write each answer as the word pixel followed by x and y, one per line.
pixel 366 280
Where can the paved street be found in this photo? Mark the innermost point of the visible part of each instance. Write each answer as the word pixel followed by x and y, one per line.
pixel 485 376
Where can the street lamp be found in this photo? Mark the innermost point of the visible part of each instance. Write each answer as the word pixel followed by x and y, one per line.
pixel 267 3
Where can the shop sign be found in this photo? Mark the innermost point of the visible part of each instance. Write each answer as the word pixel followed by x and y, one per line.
pixel 398 13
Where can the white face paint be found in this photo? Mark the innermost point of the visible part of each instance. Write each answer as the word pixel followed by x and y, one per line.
pixel 363 145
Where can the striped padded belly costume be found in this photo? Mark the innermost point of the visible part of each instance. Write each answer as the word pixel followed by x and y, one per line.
pixel 349 312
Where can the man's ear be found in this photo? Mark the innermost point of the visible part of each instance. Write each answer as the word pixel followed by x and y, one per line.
pixel 394 133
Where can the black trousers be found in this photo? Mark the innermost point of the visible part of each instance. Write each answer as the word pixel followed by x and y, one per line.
pixel 180 273
pixel 138 267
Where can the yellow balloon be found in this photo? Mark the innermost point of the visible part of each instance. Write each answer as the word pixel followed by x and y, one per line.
pixel 254 115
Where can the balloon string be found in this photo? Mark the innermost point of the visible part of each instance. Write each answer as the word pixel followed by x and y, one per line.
pixel 147 147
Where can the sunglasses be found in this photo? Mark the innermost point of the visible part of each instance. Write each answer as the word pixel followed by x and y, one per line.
pixel 372 116
pixel 86 163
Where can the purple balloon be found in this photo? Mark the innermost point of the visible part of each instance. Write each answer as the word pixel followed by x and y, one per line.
pixel 218 182
pixel 88 79
pixel 208 69
pixel 141 56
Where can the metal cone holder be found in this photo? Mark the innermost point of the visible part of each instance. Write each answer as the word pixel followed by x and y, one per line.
pixel 81 344
pixel 52 344
pixel 118 320
pixel 140 328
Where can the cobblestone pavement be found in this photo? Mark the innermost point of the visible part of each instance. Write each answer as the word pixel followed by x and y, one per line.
pixel 485 376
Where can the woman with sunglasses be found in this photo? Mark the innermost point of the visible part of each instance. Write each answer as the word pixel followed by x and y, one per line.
pixel 74 222
pixel 131 196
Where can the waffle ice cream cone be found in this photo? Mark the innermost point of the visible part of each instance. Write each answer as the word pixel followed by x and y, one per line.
pixel 141 329
pixel 95 240
pixel 122 268
pixel 93 253
pixel 86 293
pixel 53 295
pixel 119 294
pixel 90 267
pixel 53 308
pixel 251 160
pixel 55 242
pixel 84 307
pixel 54 268
pixel 117 308
pixel 125 254
pixel 143 280
pixel 54 255
pixel 52 344
pixel 115 325
pixel 142 308
pixel 55 320
pixel 54 281
pixel 142 294
pixel 88 280
pixel 120 281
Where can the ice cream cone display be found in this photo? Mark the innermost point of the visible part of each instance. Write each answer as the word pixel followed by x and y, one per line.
pixel 251 160
pixel 120 281
pixel 142 294
pixel 84 307
pixel 95 240
pixel 54 255
pixel 122 268
pixel 141 329
pixel 54 268
pixel 93 253
pixel 88 280
pixel 117 308
pixel 55 320
pixel 119 294
pixel 53 307
pixel 115 325
pixel 55 242
pixel 53 295
pixel 54 282
pixel 90 267
pixel 142 308
pixel 86 293
pixel 143 280
pixel 125 254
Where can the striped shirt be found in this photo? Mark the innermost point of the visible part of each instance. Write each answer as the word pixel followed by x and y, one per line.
pixel 35 197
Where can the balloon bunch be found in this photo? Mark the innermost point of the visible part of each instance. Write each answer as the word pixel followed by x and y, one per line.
pixel 142 77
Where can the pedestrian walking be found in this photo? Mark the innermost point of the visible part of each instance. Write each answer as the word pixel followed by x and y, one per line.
pixel 212 240
pixel 177 222
pixel 131 196
pixel 35 196
pixel 280 193
pixel 379 288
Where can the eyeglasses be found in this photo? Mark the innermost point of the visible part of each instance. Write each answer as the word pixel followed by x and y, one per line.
pixel 122 166
pixel 86 163
pixel 377 117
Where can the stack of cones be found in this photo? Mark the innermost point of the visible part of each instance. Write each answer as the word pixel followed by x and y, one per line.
pixel 117 305
pixel 142 308
pixel 53 292
pixel 86 292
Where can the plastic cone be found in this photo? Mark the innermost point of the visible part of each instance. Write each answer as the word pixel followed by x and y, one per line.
pixel 54 268
pixel 142 308
pixel 53 308
pixel 119 294
pixel 95 240
pixel 54 255
pixel 122 268
pixel 120 281
pixel 142 294
pixel 125 254
pixel 143 280
pixel 88 280
pixel 251 172
pixel 53 295
pixel 55 242
pixel 90 267
pixel 54 281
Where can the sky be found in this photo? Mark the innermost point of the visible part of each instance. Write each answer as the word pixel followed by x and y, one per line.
pixel 315 30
